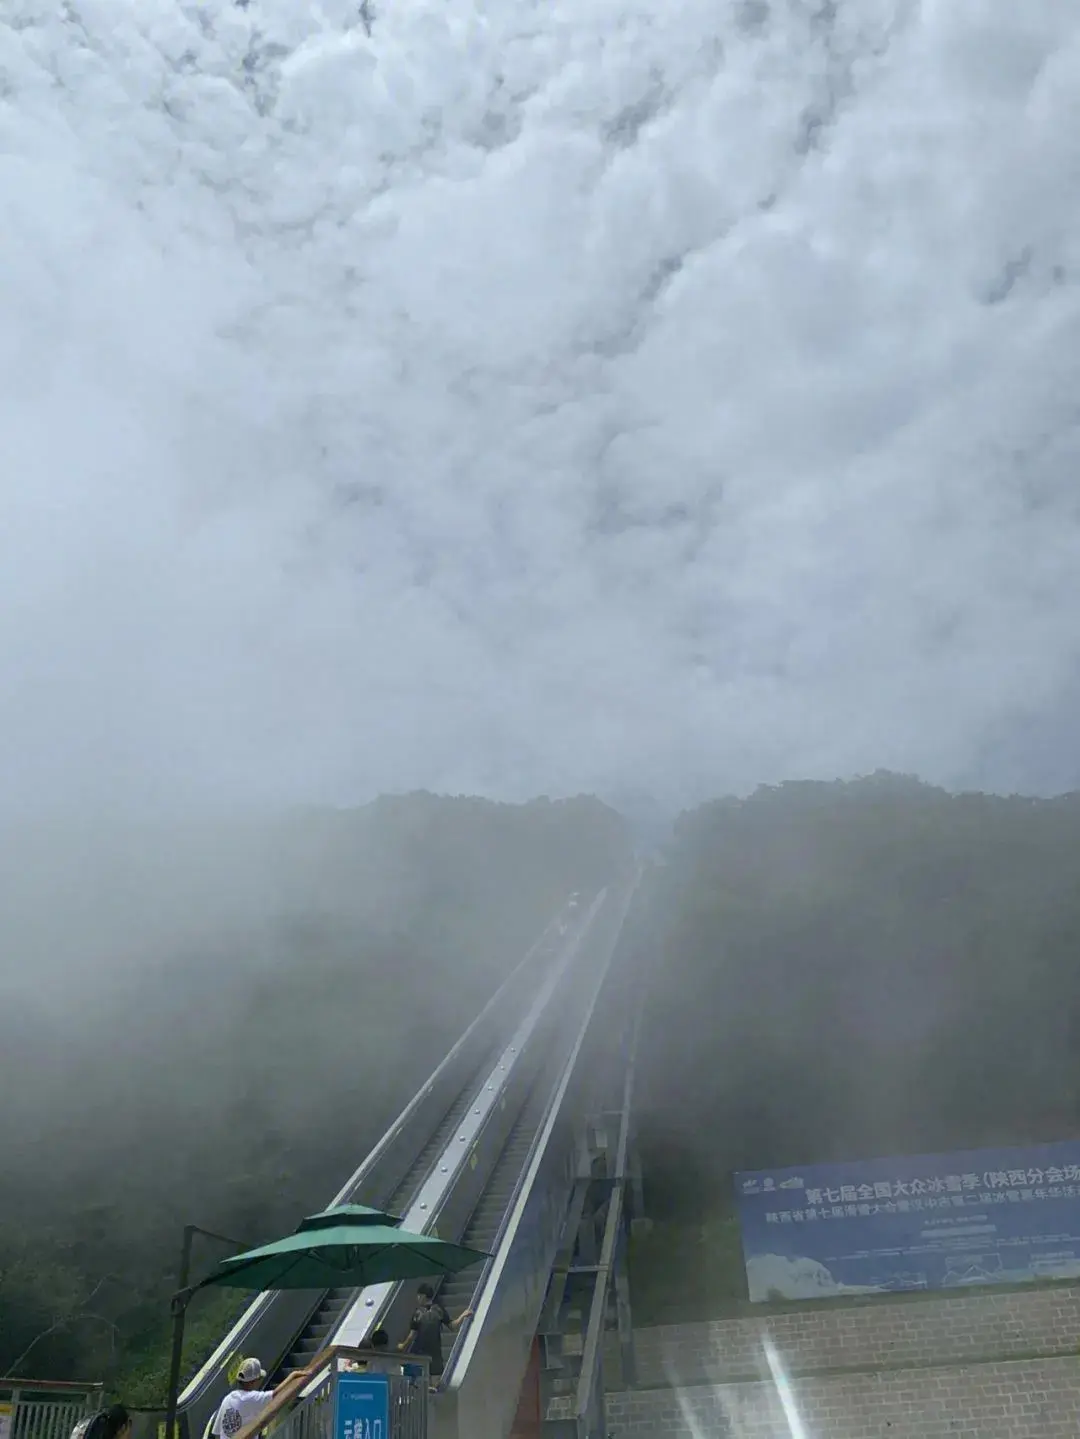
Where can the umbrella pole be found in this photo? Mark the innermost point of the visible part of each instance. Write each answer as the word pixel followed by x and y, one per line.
pixel 178 1308
pixel 179 1313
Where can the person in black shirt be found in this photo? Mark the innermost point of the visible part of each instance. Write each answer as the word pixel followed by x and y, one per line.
pixel 426 1327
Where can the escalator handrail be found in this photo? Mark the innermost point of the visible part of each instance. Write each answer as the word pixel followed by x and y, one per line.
pixel 233 1338
pixel 360 1173
pixel 450 1163
pixel 465 1341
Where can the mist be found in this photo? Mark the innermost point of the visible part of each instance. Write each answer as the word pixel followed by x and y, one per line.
pixel 864 969
pixel 213 1022
pixel 524 399
pixel 162 937
pixel 506 399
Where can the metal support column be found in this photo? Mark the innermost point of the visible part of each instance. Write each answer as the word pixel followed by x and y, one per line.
pixel 596 1280
pixel 627 1352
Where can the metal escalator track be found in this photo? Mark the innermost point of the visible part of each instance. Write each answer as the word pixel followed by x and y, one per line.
pixel 335 1303
pixel 520 1214
pixel 501 1126
pixel 323 1322
pixel 487 1219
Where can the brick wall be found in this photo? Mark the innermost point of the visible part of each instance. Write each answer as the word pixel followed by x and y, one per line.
pixel 972 1366
pixel 1016 1400
pixel 886 1334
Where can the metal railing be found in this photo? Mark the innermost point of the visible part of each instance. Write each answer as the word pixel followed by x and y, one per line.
pixel 408 1384
pixel 30 1414
pixel 45 1419
pixel 589 1399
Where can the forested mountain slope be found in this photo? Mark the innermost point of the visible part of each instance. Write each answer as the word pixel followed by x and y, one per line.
pixel 852 970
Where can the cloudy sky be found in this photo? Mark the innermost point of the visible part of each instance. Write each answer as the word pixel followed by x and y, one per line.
pixel 536 395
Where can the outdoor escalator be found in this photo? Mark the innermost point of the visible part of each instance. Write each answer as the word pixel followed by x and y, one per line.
pixel 317 1332
pixel 297 1325
pixel 482 1231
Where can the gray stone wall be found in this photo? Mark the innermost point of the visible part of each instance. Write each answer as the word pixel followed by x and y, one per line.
pixel 973 1366
pixel 1022 1399
pixel 1036 1322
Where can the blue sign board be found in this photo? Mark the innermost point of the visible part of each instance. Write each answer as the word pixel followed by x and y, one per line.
pixel 938 1221
pixel 363 1407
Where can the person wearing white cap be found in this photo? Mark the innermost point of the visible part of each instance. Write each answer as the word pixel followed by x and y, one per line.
pixel 246 1400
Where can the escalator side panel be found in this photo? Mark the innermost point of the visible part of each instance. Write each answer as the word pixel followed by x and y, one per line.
pixel 475 1403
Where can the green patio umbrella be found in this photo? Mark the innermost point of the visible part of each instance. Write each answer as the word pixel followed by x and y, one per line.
pixel 342 1248
pixel 342 1256
pixel 360 1216
pixel 345 1214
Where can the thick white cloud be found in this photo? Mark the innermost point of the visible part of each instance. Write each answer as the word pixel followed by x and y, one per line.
pixel 521 397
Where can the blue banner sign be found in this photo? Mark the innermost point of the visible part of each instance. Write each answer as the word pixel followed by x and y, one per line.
pixel 938 1221
pixel 363 1407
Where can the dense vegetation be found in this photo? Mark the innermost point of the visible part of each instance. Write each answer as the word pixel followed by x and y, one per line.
pixel 848 971
pixel 234 1081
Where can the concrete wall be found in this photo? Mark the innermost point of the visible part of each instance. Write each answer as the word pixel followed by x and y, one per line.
pixel 974 1366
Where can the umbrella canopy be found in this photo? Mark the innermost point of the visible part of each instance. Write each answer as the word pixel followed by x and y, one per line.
pixel 345 1214
pixel 347 1256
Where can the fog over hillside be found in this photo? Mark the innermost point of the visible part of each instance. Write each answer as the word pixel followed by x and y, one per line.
pixel 213 1026
pixel 518 398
